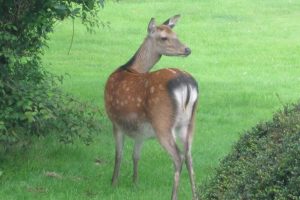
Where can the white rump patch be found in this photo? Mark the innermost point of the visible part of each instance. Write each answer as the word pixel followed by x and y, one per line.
pixel 184 108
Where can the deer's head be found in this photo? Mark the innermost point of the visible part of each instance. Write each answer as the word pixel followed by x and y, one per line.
pixel 165 41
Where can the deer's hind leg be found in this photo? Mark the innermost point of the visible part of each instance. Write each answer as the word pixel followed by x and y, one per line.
pixel 186 137
pixel 167 140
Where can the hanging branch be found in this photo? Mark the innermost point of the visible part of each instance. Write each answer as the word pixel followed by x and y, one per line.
pixel 73 31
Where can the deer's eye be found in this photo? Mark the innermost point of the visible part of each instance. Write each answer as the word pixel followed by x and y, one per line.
pixel 164 38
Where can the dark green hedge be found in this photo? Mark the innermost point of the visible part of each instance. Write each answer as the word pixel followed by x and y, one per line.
pixel 264 164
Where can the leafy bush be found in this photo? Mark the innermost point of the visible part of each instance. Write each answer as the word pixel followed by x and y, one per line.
pixel 38 109
pixel 264 164
pixel 31 102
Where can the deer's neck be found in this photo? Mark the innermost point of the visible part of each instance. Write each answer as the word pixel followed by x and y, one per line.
pixel 145 58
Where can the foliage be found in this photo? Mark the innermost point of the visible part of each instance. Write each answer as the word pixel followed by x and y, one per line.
pixel 30 101
pixel 40 108
pixel 264 164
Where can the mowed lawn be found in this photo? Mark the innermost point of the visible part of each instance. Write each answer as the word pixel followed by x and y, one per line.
pixel 245 57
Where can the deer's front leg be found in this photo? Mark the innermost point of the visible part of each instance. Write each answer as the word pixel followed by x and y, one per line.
pixel 119 140
pixel 136 157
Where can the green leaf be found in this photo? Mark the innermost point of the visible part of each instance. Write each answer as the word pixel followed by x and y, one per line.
pixel 2 125
pixel 60 7
pixel 30 116
pixel 75 11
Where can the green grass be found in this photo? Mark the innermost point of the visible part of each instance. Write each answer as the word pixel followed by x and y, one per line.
pixel 244 54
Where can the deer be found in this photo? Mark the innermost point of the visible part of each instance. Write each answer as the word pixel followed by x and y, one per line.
pixel 159 104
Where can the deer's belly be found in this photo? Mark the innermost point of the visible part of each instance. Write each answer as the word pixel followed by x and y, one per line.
pixel 134 127
pixel 145 130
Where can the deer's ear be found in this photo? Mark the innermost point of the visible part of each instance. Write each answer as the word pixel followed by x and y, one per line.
pixel 151 26
pixel 172 21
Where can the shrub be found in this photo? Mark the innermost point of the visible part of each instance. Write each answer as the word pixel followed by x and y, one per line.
pixel 264 164
pixel 40 109
pixel 31 102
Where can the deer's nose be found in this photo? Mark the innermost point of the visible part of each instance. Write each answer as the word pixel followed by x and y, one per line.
pixel 187 51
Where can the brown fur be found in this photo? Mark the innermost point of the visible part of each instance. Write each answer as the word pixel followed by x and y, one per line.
pixel 145 95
